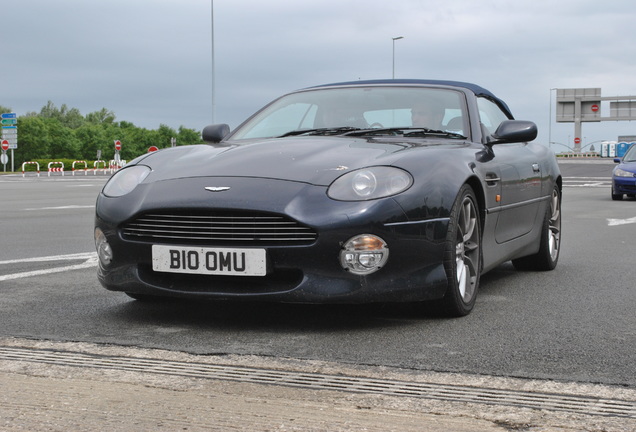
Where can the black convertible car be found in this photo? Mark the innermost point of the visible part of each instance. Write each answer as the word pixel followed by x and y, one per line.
pixel 365 191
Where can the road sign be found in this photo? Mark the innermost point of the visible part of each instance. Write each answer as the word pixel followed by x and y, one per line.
pixel 594 108
pixel 9 121
pixel 577 140
pixel 8 116
pixel 5 145
pixel 152 149
pixel 117 145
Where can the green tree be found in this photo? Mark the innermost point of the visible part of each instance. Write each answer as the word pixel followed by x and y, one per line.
pixel 188 136
pixel 92 138
pixel 71 118
pixel 102 116
pixel 164 136
pixel 64 133
pixel 33 141
pixel 62 140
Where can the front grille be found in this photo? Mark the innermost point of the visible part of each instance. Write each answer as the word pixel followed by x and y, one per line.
pixel 232 228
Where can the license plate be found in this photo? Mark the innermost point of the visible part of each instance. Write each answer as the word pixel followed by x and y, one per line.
pixel 209 261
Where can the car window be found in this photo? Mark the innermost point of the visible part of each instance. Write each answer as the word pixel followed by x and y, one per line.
pixel 360 107
pixel 285 118
pixel 490 114
pixel 630 155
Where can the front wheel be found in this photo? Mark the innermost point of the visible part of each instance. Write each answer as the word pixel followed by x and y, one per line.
pixel 462 257
pixel 548 255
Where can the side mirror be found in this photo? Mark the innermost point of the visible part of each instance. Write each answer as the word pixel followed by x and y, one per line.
pixel 512 131
pixel 617 160
pixel 215 133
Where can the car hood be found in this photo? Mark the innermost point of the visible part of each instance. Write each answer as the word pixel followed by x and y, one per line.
pixel 314 160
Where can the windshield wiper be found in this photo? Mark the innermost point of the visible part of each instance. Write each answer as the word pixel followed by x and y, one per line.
pixel 320 131
pixel 404 131
pixel 354 131
pixel 426 131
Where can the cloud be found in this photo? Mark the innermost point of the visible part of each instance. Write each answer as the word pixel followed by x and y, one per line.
pixel 150 61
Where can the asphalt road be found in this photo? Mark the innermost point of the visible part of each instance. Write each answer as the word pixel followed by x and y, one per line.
pixel 575 323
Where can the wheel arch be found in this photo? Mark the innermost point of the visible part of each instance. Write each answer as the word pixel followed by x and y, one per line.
pixel 474 183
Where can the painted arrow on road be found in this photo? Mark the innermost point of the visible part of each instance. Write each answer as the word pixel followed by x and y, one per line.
pixel 616 222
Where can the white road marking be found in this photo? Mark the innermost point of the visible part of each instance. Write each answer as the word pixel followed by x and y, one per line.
pixel 62 207
pixel 616 222
pixel 597 184
pixel 90 261
pixel 588 182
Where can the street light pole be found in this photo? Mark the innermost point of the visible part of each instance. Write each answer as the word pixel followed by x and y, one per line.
pixel 394 39
pixel 213 67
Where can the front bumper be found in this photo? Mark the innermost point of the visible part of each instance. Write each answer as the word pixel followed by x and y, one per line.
pixel 308 273
pixel 624 185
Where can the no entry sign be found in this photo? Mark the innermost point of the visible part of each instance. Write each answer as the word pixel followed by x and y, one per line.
pixel 117 145
pixel 5 145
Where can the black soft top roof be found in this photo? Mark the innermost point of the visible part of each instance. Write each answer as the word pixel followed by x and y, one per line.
pixel 479 91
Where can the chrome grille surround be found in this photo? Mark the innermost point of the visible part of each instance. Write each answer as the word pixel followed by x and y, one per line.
pixel 233 228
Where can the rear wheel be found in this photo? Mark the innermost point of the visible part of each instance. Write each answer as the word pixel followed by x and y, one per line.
pixel 462 258
pixel 548 255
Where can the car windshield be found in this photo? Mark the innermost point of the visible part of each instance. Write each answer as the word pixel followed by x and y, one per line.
pixel 339 111
pixel 630 155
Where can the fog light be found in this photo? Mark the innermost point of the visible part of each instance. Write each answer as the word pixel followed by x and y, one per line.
pixel 104 251
pixel 364 254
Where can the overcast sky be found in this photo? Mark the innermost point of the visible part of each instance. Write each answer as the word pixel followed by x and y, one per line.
pixel 150 61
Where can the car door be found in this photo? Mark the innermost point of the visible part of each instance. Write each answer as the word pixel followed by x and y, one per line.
pixel 520 179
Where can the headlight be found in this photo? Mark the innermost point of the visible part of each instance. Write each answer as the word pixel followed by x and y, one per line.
pixel 622 173
pixel 125 180
pixel 370 183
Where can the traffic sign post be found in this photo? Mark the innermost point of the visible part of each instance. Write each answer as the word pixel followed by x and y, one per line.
pixel 4 159
pixel 9 122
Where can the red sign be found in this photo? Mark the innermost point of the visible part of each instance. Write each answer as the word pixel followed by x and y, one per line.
pixel 117 145
pixel 152 149
pixel 5 145
pixel 594 108
pixel 577 140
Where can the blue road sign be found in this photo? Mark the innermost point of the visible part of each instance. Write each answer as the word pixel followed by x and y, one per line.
pixel 8 115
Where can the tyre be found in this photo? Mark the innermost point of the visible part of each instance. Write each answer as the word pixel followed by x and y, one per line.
pixel 616 197
pixel 548 255
pixel 462 256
